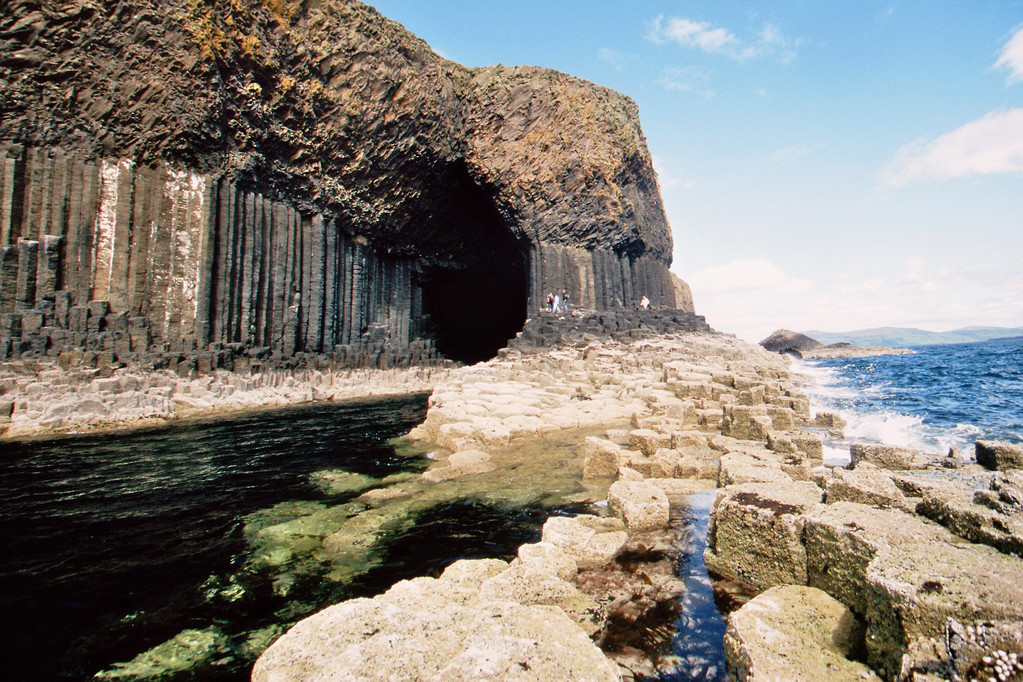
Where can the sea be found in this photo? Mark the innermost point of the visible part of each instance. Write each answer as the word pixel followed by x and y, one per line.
pixel 937 399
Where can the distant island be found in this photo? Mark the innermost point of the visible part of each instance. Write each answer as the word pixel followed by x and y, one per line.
pixel 788 342
pixel 908 336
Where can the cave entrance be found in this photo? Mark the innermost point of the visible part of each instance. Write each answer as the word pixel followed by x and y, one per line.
pixel 476 298
pixel 475 310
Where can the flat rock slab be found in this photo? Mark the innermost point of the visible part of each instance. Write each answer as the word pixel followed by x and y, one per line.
pixel 435 629
pixel 843 538
pixel 639 504
pixel 885 456
pixel 592 541
pixel 913 588
pixel 794 633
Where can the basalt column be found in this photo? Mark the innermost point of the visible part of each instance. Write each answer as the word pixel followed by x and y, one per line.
pixel 598 279
pixel 106 255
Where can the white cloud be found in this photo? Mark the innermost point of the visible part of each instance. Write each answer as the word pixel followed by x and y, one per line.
pixel 1011 57
pixel 686 79
pixel 700 35
pixel 746 275
pixel 689 33
pixel 617 60
pixel 988 146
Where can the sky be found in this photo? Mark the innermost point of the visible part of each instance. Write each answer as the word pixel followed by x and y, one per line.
pixel 825 164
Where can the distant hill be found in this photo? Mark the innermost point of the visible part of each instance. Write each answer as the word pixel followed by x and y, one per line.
pixel 907 336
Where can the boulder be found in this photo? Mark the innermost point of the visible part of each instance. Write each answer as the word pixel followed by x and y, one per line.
pixel 756 533
pixel 999 455
pixel 794 632
pixel 641 505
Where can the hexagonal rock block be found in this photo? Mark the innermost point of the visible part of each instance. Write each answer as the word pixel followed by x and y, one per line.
pixel 830 420
pixel 884 456
pixel 914 588
pixel 745 422
pixel 866 484
pixel 437 629
pixel 702 463
pixel 991 517
pixel 641 505
pixel 756 532
pixel 794 632
pixel 738 467
pixel 601 458
pixel 461 463
pixel 591 540
pixel 548 558
pixel 999 455
pixel 842 539
pixel 525 585
pixel 648 441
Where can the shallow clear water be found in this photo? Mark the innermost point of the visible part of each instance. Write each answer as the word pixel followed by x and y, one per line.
pixel 114 544
pixel 700 626
pixel 935 399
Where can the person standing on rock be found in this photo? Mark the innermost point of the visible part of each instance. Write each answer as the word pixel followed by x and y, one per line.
pixel 550 301
pixel 564 300
pixel 644 303
pixel 557 303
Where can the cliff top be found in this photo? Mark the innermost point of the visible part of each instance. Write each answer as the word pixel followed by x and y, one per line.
pixel 332 105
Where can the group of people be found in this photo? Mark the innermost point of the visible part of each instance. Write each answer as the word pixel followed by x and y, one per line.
pixel 557 303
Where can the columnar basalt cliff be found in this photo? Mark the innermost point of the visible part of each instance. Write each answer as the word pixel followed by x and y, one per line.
pixel 301 176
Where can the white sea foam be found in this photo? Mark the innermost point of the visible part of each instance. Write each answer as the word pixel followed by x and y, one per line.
pixel 828 392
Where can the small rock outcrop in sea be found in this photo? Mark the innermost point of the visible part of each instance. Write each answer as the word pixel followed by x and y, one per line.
pixel 788 342
pixel 182 177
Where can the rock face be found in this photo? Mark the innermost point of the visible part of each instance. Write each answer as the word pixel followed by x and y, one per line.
pixel 301 176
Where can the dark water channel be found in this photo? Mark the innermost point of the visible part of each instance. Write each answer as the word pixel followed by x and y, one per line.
pixel 114 544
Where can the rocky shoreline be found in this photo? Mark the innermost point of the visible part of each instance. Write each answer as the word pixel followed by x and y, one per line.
pixel 902 565
pixel 875 567
pixel 41 398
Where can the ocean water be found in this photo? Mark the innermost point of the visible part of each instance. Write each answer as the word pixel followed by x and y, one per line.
pixel 938 398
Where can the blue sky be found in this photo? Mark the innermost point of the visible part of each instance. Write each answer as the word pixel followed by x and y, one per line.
pixel 824 164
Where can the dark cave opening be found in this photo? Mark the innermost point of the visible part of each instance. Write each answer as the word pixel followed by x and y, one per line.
pixel 476 298
pixel 475 310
